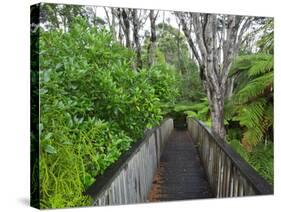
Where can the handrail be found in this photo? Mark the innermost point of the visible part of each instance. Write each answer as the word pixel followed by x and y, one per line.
pixel 227 172
pixel 152 143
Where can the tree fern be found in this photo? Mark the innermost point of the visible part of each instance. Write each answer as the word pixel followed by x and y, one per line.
pixel 252 103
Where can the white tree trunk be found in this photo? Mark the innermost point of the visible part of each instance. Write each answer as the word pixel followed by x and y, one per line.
pixel 152 45
pixel 136 28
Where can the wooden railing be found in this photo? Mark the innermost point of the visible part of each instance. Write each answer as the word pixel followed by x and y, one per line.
pixel 228 174
pixel 129 180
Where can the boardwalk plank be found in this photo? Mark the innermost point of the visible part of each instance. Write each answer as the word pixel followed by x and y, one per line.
pixel 180 175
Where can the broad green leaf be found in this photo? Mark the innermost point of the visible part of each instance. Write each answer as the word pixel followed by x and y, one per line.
pixel 46 76
pixel 43 90
pixel 50 149
pixel 48 136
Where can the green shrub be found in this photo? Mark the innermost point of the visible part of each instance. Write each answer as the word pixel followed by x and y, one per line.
pixel 93 106
pixel 164 78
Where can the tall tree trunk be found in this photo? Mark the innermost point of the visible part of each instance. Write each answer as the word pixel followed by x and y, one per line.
pixel 180 65
pixel 214 41
pixel 216 105
pixel 95 16
pixel 120 35
pixel 113 24
pixel 120 26
pixel 152 45
pixel 124 24
pixel 136 27
pixel 126 29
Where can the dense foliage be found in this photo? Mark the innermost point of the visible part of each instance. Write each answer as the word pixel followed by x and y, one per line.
pixel 93 107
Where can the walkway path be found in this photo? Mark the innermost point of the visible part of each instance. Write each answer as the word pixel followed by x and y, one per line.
pixel 180 175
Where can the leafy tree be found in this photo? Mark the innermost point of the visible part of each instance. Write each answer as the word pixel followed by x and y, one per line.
pixel 190 85
pixel 56 16
pixel 172 49
pixel 172 43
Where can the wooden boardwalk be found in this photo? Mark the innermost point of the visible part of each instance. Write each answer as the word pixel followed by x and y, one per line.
pixel 180 175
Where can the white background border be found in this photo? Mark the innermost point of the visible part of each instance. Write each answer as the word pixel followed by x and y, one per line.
pixel 14 103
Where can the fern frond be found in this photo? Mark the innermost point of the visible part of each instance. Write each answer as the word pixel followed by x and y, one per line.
pixel 261 66
pixel 241 63
pixel 260 63
pixel 257 87
pixel 251 115
pixel 250 138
